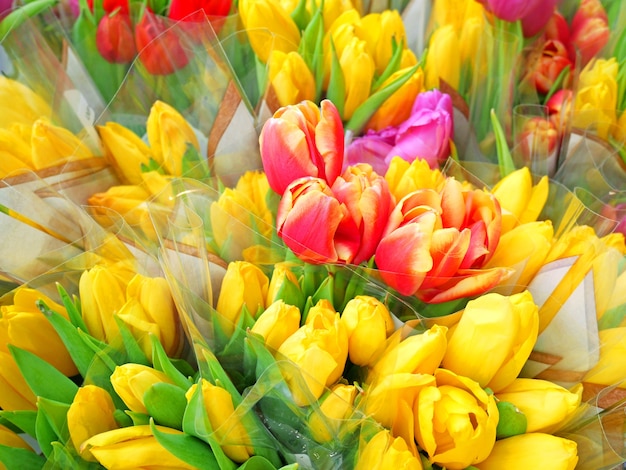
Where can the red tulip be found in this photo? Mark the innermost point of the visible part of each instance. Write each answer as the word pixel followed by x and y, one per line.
pixel 302 140
pixel 546 64
pixel 589 36
pixel 114 38
pixel 185 9
pixel 538 138
pixel 160 48
pixel 315 225
pixel 111 6
pixel 557 28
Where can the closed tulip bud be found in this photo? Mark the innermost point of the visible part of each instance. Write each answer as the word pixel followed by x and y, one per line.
pixel 455 421
pixel 302 140
pixel 283 36
pixel 319 349
pixel 114 38
pixel 511 322
pixel 131 381
pixel 406 177
pixel 368 323
pixel 125 151
pixel 243 284
pixel 284 286
pixel 290 77
pixel 90 413
pixel 15 394
pixel 589 35
pixel 596 99
pixel 277 323
pixel 53 145
pixel 381 29
pixel 531 450
pixel 169 134
pixel 546 405
pixel 610 369
pixel 358 69
pixel 150 309
pixel 20 104
pixel 326 423
pixel 384 451
pixel 23 325
pixel 133 447
pixel 160 49
pixel 333 9
pixel 226 425
pixel 443 60
pixel 9 438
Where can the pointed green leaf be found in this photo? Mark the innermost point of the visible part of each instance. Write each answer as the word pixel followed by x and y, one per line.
pixel 336 91
pixel 505 160
pixel 133 349
pixel 300 15
pixel 56 415
pixel 44 434
pixel 138 419
pixel 72 307
pixel 14 458
pixel 164 364
pixel 43 379
pixel 187 448
pixel 66 457
pixel 24 420
pixel 194 166
pixel 166 403
pixel 325 290
pixel 393 65
pixel 19 15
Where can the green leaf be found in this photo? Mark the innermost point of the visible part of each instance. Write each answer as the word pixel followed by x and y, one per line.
pixel 56 415
pixel 612 318
pixel 393 65
pixel 166 403
pixel 43 379
pixel 15 458
pixel 300 15
pixel 336 91
pixel 367 109
pixel 194 166
pixel 66 457
pixel 311 49
pixel 187 448
pixel 19 15
pixel 511 422
pixel 505 160
pixel 256 462
pixel 152 165
pixel 133 349
pixel 72 307
pixel 556 85
pixel 44 434
pixel 161 362
pixel 22 419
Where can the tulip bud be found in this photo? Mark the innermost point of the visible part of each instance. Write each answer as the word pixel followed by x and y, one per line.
pixel 511 322
pixel 52 145
pixel 181 9
pixel 443 58
pixel 326 423
pixel 368 323
pixel 589 34
pixel 131 381
pixel 544 65
pixel 15 394
pixel 284 286
pixel 277 323
pixel 406 177
pixel 384 451
pixel 125 151
pixel 596 99
pixel 291 78
pixel 302 140
pixel 114 38
pixel 243 284
pixel 90 413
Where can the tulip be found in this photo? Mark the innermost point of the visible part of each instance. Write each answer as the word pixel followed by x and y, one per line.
pixel 284 283
pixel 169 134
pixel 290 77
pixel 609 370
pixel 590 30
pixel 150 310
pixel 519 199
pixel 384 451
pixel 546 405
pixel 20 104
pixel 277 323
pixel 455 421
pixel 333 9
pixel 368 323
pixel 226 425
pixel 125 151
pixel 532 450
pixel 24 326
pixel 302 140
pixel 596 99
pixel 404 177
pixel 182 9
pixel 545 64
pixel 511 324
pixel 358 69
pixel 309 202
pixel 283 36
pixel 372 148
pixel 16 153
pixel 131 381
pixel 537 17
pixel 319 349
pixel 381 29
pixel 133 447
pixel 443 61
pixel 244 284
pixel 53 145
pixel 326 422
pixel 90 413
pixel 511 10
pixel 15 394
pixel 102 295
pixel 9 438
pixel 470 38
pixel 114 38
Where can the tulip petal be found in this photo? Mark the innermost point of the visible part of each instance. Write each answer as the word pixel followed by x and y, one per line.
pixel 467 283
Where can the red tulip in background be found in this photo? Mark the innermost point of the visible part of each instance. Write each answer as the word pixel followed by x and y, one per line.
pixel 546 63
pixel 114 38
pixel 182 9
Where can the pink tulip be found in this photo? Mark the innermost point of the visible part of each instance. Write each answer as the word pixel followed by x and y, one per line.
pixel 537 17
pixel 315 225
pixel 5 7
pixel 372 148
pixel 302 140
pixel 510 10
pixel 369 201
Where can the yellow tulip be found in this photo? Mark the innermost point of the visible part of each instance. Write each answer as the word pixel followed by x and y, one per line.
pixel 319 349
pixel 470 37
pixel 131 381
pixel 417 354
pixel 332 9
pixel 380 30
pixel 128 201
pixel 610 369
pixel 368 323
pixel 277 323
pixel 525 249
pixel 336 407
pixel 531 450
pixel 15 394
pixel 455 12
pixel 125 151
pixel 281 275
pixel 383 452
pixel 53 145
pixel 227 426
pixel 15 153
pixel 358 70
pixel 511 325
pixel 291 78
pixel 404 177
pixel 619 132
pixel 259 15
pixel 133 447
pixel 169 134
pixel 11 439
pixel 24 326
pixel 90 413
pixel 243 284
pixel 150 309
pixel 520 201
pixel 455 421
pixel 443 58
pixel 546 405
pixel 102 295
pixel 20 104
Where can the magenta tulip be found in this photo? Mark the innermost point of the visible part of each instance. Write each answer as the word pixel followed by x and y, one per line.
pixel 302 140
